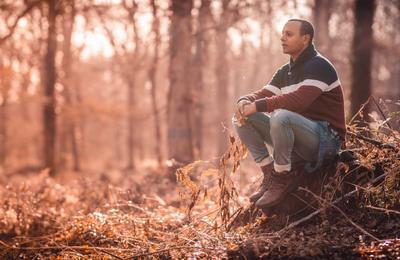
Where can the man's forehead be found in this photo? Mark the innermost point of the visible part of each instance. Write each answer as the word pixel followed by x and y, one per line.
pixel 293 26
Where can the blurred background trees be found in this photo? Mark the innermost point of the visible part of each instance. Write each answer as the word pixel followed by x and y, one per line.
pixel 118 84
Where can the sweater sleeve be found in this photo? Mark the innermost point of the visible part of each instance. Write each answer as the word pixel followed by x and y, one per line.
pixel 319 76
pixel 269 90
pixel 296 101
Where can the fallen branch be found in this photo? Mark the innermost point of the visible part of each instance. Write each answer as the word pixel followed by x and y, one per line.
pixel 4 244
pixel 69 247
pixel 360 110
pixel 383 209
pixel 372 141
pixel 166 250
pixel 234 217
pixel 383 114
pixel 105 252
pixel 74 248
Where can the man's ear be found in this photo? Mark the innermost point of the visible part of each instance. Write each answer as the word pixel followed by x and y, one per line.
pixel 306 38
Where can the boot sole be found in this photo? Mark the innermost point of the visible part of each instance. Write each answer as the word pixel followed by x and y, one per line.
pixel 257 197
pixel 254 200
pixel 280 199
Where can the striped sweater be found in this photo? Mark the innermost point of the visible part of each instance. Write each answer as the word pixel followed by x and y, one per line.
pixel 309 86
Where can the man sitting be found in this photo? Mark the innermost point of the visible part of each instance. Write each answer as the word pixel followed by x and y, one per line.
pixel 306 121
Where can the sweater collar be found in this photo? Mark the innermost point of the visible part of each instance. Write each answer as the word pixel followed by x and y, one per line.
pixel 307 54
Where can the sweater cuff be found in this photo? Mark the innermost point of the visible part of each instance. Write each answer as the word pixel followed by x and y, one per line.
pixel 242 98
pixel 261 105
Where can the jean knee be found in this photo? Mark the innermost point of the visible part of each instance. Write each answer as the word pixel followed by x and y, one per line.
pixel 258 116
pixel 279 118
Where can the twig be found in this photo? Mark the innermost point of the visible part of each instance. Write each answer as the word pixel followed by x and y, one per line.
pixel 105 252
pixel 341 212
pixel 110 254
pixel 380 110
pixel 372 141
pixel 234 217
pixel 351 193
pixel 305 202
pixel 129 205
pixel 360 110
pixel 166 250
pixel 102 249
pixel 5 244
pixel 195 218
pixel 383 209
pixel 72 247
pixel 203 234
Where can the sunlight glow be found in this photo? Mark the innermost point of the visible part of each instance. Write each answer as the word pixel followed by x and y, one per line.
pixel 94 42
pixel 107 2
pixel 302 11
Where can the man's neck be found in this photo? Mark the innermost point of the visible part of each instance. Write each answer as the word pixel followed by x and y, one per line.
pixel 297 54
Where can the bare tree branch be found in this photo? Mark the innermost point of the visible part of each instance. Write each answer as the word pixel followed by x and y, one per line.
pixel 372 141
pixel 12 28
pixel 387 211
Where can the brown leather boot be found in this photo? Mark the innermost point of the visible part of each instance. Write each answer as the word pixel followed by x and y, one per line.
pixel 282 183
pixel 267 171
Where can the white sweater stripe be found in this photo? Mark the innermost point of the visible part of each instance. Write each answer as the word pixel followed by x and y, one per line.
pixel 307 82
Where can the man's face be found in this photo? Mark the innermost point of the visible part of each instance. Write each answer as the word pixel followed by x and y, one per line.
pixel 293 43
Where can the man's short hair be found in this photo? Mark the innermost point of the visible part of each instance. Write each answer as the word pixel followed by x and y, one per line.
pixel 305 28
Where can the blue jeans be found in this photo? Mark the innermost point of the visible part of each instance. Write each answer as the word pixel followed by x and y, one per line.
pixel 288 139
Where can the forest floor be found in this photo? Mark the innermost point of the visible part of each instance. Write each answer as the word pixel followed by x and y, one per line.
pixel 205 215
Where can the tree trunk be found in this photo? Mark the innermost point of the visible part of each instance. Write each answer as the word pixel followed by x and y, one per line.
pixel 69 138
pixel 222 74
pixel 179 99
pixel 322 14
pixel 153 76
pixel 5 85
pixel 201 58
pixel 123 57
pixel 131 125
pixel 3 130
pixel 50 102
pixel 362 55
pixel 131 78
